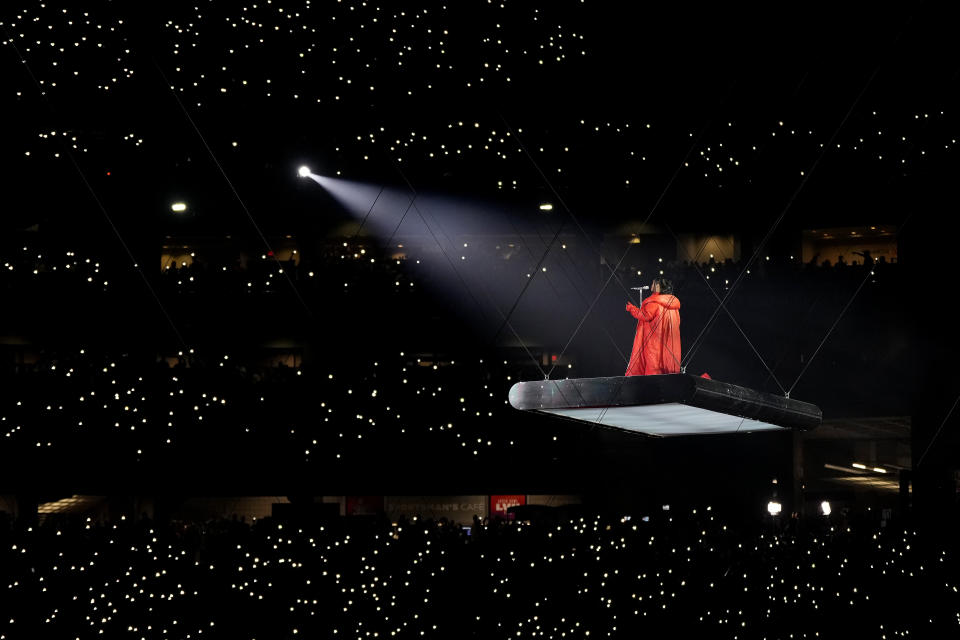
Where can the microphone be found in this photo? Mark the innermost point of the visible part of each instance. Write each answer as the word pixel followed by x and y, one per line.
pixel 646 286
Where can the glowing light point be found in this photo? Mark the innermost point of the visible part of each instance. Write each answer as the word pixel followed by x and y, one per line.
pixel 546 207
pixel 178 207
pixel 304 171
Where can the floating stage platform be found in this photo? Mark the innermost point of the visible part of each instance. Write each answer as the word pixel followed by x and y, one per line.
pixel 665 405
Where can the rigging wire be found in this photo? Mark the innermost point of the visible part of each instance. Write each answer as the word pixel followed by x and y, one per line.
pixel 461 278
pixel 426 224
pixel 703 247
pixel 796 335
pixel 869 274
pixel 647 337
pixel 569 278
pixel 954 406
pixel 569 212
pixel 829 331
pixel 629 246
pixel 506 320
pixel 939 429
pixel 779 219
pixel 613 270
pixel 802 184
pixel 730 315
pixel 402 218
pixel 449 260
pixel 97 200
pixel 536 270
pixel 696 258
pixel 243 205
pixel 369 211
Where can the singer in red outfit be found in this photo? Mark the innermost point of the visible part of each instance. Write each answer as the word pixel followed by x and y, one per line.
pixel 656 347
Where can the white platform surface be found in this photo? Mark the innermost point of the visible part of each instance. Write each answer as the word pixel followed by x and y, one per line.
pixel 670 419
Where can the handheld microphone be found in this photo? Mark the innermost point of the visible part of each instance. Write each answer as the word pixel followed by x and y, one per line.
pixel 646 286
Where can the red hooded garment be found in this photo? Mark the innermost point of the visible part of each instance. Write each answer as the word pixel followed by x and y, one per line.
pixel 656 347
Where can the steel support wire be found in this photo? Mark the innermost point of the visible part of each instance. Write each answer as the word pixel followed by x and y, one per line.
pixel 96 199
pixel 806 177
pixel 223 172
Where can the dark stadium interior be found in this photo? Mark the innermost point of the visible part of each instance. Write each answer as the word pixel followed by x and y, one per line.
pixel 269 271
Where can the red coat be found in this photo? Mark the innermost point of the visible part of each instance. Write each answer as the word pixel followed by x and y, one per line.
pixel 656 347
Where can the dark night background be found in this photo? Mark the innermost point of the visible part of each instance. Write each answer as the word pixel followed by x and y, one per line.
pixel 257 370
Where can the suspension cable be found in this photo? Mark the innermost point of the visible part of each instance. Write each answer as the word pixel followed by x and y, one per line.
pixel 954 406
pixel 803 183
pixel 466 285
pixel 869 274
pixel 369 211
pixel 613 270
pixel 451 262
pixel 829 331
pixel 564 205
pixel 649 335
pixel 572 282
pixel 536 270
pixel 730 315
pixel 402 218
pixel 653 209
pixel 779 219
pixel 96 199
pixel 223 172
pixel 696 258
pixel 939 429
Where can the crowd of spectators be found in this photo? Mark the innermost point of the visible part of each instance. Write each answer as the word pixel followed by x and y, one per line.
pixel 563 575
pixel 341 263
pixel 147 404
pixel 43 267
pixel 144 407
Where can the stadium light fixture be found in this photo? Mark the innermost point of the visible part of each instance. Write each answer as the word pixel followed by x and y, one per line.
pixel 546 206
pixel 304 171
pixel 178 207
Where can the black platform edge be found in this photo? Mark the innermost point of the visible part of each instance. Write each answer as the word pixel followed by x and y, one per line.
pixel 704 393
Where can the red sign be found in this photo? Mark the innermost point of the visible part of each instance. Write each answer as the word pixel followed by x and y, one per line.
pixel 500 504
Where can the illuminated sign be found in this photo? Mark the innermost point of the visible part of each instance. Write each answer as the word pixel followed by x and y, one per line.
pixel 499 505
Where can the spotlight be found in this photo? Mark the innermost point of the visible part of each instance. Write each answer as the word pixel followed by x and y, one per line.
pixel 774 507
pixel 178 207
pixel 546 207
pixel 304 171
pixel 825 507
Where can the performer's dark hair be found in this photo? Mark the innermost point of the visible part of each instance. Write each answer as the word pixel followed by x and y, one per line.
pixel 666 286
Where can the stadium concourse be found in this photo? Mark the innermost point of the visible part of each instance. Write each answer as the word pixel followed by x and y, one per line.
pixel 316 318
